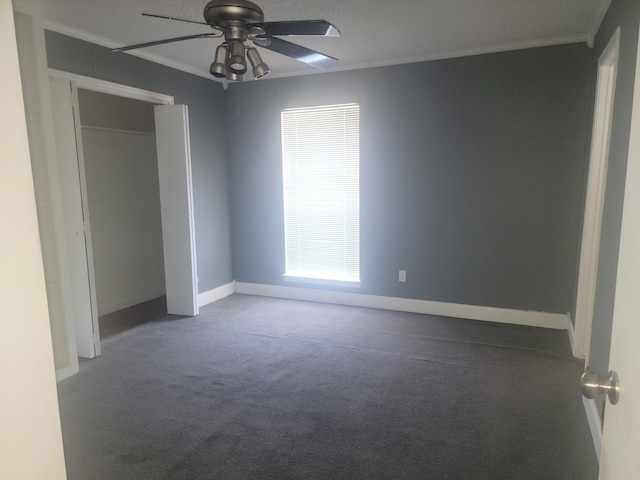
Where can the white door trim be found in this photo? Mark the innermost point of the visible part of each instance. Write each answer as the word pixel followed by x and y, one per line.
pixel 104 86
pixel 58 277
pixel 594 202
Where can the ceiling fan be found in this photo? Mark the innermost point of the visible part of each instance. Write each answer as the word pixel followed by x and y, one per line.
pixel 239 21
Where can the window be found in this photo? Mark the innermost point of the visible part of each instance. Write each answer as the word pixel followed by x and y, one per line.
pixel 321 172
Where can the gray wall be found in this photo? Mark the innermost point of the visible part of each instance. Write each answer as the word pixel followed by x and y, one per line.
pixel 472 175
pixel 111 112
pixel 205 100
pixel 625 14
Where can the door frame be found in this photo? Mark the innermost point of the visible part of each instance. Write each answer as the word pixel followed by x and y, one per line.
pixel 32 49
pixel 594 202
pixel 76 82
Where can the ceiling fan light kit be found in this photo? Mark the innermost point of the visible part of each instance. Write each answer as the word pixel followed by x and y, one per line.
pixel 219 66
pixel 240 21
pixel 260 69
pixel 237 62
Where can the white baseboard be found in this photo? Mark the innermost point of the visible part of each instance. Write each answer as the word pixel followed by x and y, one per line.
pixel 130 302
pixel 595 423
pixel 215 294
pixel 473 312
pixel 66 372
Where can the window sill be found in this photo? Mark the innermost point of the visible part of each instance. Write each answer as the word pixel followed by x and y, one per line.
pixel 322 281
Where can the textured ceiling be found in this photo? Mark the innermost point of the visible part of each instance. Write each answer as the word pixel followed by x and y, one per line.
pixel 373 32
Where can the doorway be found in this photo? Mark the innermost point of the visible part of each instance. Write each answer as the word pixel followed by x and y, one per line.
pixel 169 182
pixel 121 170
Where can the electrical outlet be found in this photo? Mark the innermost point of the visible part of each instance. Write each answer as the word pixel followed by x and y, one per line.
pixel 402 276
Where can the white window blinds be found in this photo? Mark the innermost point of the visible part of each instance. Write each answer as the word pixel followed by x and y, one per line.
pixel 321 172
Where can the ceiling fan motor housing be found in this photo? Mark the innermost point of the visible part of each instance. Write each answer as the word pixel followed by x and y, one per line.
pixel 224 13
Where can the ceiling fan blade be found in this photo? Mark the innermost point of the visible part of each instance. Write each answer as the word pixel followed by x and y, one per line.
pixel 298 52
pixel 174 18
pixel 302 27
pixel 166 40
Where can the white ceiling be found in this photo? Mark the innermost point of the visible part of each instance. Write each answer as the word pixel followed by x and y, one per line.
pixel 373 32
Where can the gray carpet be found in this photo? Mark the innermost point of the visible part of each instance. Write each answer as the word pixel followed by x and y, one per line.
pixel 260 388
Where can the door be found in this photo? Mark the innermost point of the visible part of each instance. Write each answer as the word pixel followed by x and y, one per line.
pixel 621 432
pixel 176 208
pixel 64 101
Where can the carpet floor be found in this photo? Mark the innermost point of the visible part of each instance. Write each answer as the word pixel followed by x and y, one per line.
pixel 263 388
